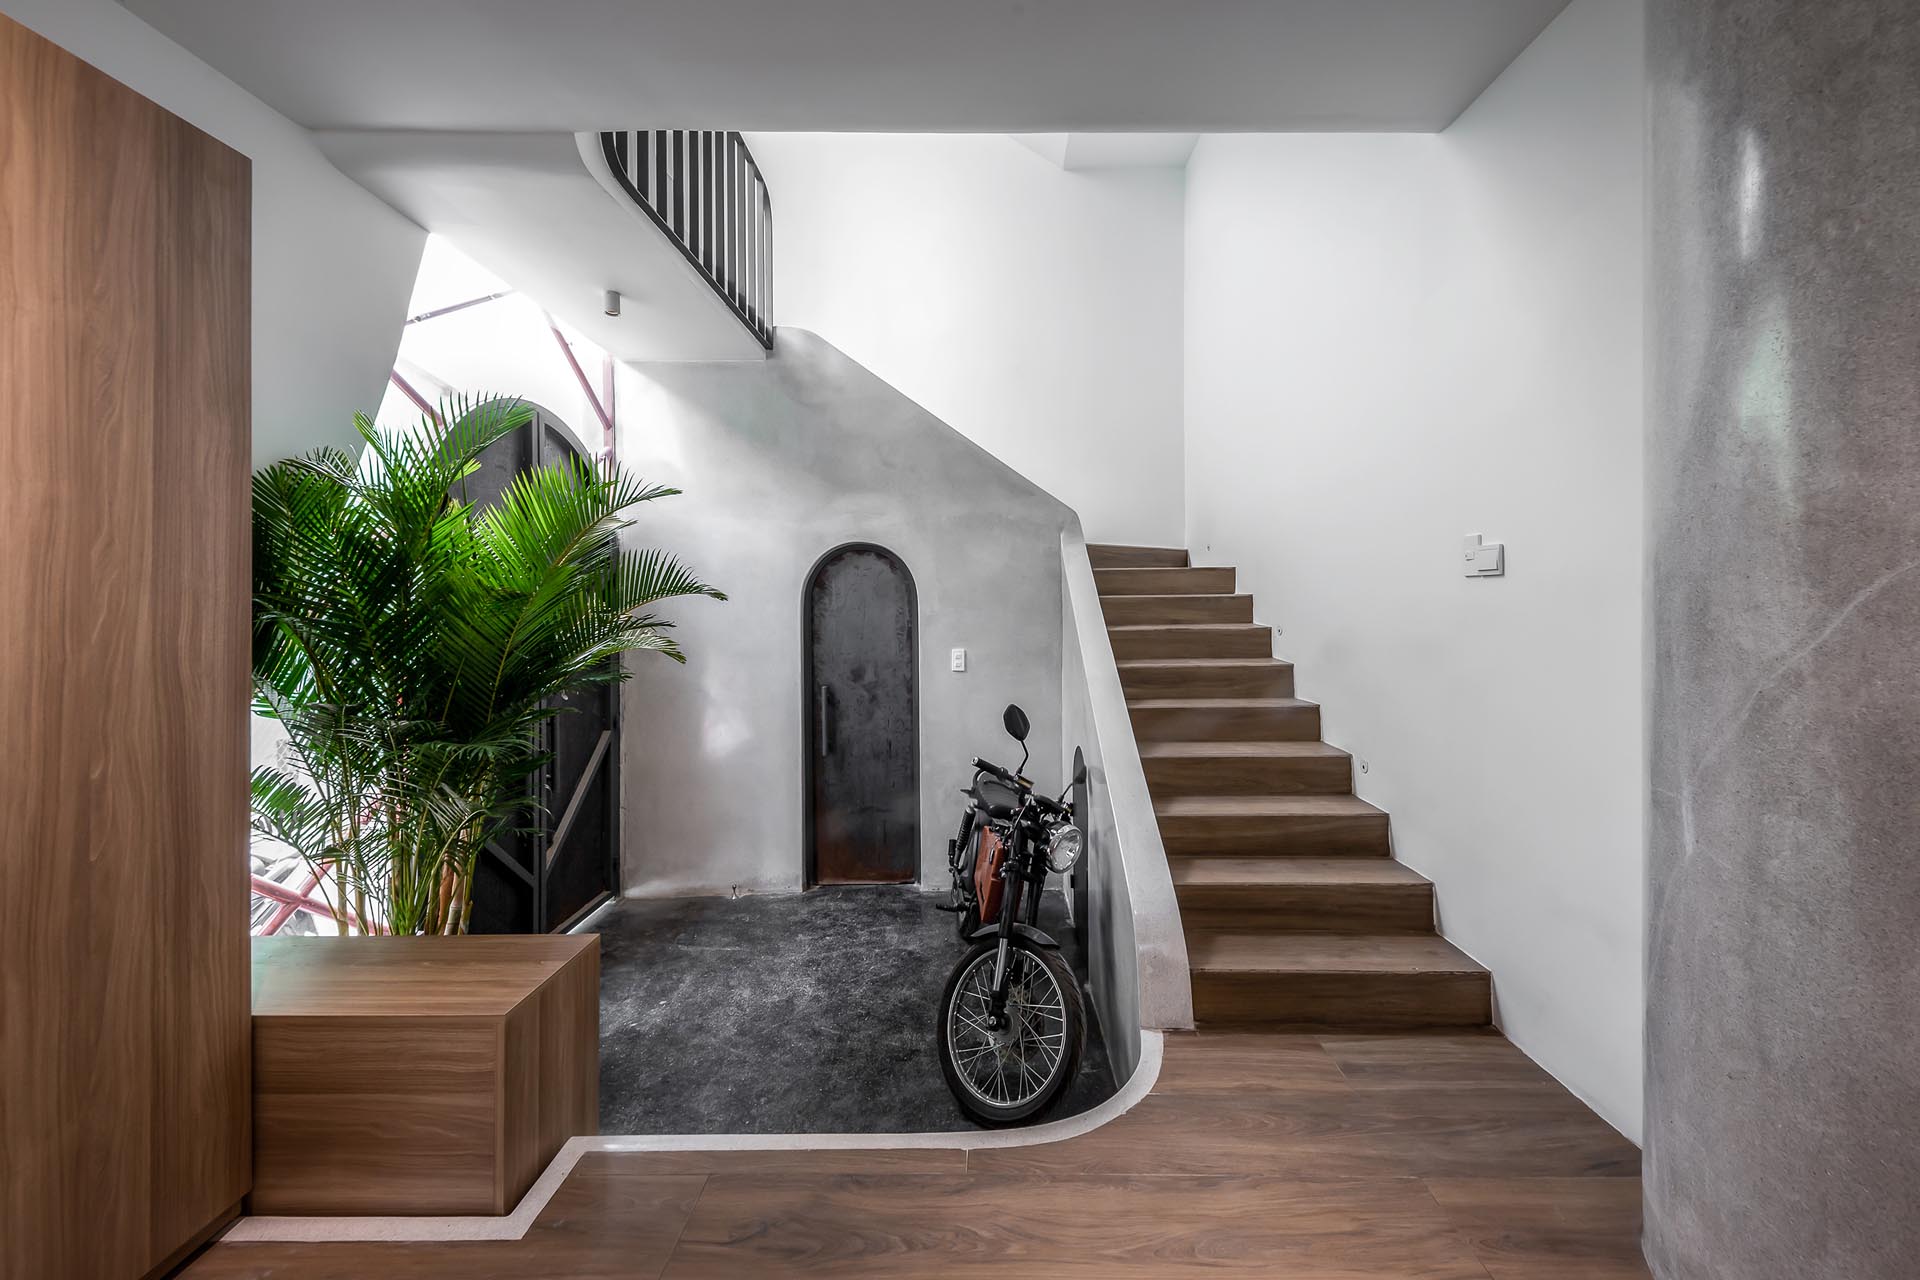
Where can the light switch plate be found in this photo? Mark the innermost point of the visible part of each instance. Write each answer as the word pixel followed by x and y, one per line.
pixel 959 659
pixel 1484 559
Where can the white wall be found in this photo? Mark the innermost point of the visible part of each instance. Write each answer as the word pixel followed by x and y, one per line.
pixel 782 461
pixel 332 266
pixel 1035 310
pixel 1396 340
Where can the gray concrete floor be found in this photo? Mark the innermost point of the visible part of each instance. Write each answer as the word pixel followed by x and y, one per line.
pixel 801 1013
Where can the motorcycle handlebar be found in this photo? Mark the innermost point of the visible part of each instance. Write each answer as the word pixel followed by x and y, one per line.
pixel 1005 775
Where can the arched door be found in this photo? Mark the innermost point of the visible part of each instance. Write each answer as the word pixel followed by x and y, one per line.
pixel 862 748
pixel 564 859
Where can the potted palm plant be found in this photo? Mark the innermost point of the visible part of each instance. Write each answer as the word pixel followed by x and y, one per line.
pixel 411 645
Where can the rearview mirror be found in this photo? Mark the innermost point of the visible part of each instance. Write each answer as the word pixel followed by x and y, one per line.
pixel 1016 721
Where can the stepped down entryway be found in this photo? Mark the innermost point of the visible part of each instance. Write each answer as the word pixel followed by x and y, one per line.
pixel 1295 912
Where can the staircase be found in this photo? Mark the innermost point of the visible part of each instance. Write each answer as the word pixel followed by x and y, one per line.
pixel 1295 912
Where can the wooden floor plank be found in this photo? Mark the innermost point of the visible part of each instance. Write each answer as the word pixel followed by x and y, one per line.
pixel 1315 1136
pixel 1550 1228
pixel 1207 1062
pixel 938 1225
pixel 1429 1060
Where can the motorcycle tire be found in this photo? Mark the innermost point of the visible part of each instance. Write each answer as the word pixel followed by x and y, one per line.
pixel 1017 1075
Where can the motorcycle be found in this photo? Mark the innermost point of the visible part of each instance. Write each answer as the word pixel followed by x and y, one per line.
pixel 1011 1025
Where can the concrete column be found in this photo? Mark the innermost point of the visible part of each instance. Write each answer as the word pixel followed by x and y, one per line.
pixel 1783 501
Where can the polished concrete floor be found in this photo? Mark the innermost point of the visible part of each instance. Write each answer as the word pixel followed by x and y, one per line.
pixel 1393 1157
pixel 797 1013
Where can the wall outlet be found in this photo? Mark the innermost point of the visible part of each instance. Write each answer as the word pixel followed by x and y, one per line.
pixel 959 660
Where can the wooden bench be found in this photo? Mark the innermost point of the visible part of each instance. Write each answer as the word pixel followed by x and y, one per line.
pixel 419 1075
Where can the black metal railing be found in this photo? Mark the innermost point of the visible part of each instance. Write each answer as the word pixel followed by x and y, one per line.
pixel 705 192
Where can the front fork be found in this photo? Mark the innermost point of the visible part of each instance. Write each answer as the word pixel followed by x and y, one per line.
pixel 1016 887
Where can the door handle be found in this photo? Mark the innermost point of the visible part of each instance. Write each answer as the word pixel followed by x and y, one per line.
pixel 820 700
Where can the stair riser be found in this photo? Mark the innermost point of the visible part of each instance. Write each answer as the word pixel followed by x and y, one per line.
pixel 1356 836
pixel 1137 557
pixel 1181 642
pixel 1127 611
pixel 1344 1001
pixel 1241 776
pixel 1163 582
pixel 1227 724
pixel 1364 908
pixel 1262 680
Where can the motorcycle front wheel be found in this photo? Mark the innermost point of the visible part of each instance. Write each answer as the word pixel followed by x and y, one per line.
pixel 1014 1074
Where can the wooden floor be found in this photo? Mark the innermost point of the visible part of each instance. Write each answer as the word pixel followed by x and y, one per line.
pixel 1315 1157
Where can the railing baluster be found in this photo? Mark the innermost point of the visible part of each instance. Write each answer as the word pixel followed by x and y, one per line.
pixel 737 227
pixel 679 180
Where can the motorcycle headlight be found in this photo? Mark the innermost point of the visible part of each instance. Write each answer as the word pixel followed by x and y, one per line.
pixel 1064 848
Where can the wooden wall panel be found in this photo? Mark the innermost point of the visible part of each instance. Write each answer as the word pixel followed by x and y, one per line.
pixel 124 314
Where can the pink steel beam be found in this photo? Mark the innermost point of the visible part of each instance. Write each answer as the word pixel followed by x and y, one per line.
pixel 287 909
pixel 280 893
pixel 606 387
pixel 580 375
pixel 418 399
pixel 437 312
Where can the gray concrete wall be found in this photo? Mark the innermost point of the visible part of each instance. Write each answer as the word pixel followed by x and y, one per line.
pixel 782 461
pixel 1783 504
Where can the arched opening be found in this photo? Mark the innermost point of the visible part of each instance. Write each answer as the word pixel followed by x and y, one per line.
pixel 862 745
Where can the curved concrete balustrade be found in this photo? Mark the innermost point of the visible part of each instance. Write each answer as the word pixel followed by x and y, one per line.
pixel 1136 950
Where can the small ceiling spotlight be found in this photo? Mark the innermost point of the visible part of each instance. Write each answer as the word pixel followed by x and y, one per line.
pixel 613 302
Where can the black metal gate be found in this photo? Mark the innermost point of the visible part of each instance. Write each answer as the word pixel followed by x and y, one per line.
pixel 564 858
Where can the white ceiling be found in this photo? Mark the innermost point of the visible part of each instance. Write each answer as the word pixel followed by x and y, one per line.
pixel 1001 66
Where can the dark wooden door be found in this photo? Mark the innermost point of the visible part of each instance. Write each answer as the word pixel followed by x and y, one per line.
pixel 562 859
pixel 124 1020
pixel 862 736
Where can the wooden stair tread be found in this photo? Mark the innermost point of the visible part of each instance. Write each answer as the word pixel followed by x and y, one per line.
pixel 1174 597
pixel 1204 628
pixel 1292 872
pixel 1210 703
pixel 1265 807
pixel 1116 555
pixel 1168 568
pixel 1202 664
pixel 1165 609
pixel 1229 749
pixel 1212 580
pixel 1326 953
pixel 1181 597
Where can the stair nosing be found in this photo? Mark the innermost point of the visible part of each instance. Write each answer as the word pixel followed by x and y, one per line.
pixel 1209 748
pixel 1220 702
pixel 1202 662
pixel 1185 626
pixel 1346 806
pixel 1460 963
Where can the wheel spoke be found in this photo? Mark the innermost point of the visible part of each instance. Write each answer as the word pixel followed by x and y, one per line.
pixel 1016 1064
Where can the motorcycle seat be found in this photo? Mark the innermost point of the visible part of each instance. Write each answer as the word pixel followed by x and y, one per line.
pixel 993 797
